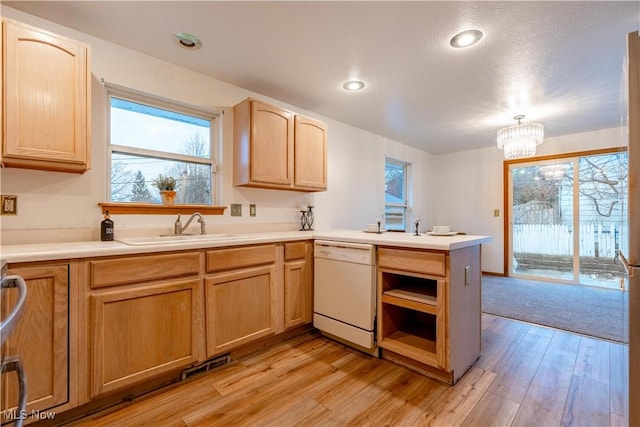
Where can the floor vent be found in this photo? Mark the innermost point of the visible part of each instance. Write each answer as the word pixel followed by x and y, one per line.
pixel 206 366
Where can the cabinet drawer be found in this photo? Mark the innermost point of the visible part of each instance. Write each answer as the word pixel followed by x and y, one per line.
pixel 138 269
pixel 295 250
pixel 227 259
pixel 415 261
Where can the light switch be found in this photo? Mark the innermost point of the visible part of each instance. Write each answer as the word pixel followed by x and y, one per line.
pixel 236 209
pixel 252 210
pixel 496 212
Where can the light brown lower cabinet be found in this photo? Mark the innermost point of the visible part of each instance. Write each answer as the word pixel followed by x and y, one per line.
pixel 144 318
pixel 140 332
pixel 298 284
pixel 40 339
pixel 241 296
pixel 255 292
pixel 429 309
pixel 95 328
pixel 239 307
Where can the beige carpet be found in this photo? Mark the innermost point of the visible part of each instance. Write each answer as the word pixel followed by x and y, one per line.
pixel 601 313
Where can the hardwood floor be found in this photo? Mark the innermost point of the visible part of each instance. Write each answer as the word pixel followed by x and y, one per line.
pixel 527 376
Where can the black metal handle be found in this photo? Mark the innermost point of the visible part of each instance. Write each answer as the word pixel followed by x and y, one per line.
pixel 14 363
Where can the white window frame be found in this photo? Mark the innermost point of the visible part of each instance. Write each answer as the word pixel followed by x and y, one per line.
pixel 405 206
pixel 214 116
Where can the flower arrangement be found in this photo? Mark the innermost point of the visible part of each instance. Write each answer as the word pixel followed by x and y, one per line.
pixel 165 183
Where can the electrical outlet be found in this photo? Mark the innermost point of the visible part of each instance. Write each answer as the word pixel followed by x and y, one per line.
pixel 252 210
pixel 236 209
pixel 9 205
pixel 496 212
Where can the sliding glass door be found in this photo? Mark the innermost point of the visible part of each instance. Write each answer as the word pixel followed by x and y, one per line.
pixel 603 218
pixel 566 217
pixel 541 221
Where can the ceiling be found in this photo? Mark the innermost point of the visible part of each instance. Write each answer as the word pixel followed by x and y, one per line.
pixel 559 63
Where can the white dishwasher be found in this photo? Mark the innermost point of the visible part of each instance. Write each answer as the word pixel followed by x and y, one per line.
pixel 344 305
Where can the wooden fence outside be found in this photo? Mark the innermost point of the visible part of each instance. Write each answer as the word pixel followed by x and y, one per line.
pixel 596 240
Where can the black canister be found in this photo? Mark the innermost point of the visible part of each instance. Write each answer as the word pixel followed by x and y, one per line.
pixel 106 228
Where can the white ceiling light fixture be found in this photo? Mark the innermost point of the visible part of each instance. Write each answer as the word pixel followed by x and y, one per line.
pixel 520 140
pixel 187 41
pixel 353 85
pixel 466 38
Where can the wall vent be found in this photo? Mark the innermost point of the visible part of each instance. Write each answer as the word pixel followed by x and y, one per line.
pixel 206 366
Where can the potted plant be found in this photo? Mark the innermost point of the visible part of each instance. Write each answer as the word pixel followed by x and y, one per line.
pixel 167 187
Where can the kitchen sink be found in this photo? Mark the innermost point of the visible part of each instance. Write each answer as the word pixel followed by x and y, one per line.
pixel 179 238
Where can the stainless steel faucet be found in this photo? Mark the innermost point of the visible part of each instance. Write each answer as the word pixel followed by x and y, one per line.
pixel 178 228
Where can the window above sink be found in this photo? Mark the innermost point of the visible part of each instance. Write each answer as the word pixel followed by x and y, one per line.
pixel 149 136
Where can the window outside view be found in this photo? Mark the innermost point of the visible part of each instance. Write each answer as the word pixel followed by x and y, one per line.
pixel 544 223
pixel 146 141
pixel 395 195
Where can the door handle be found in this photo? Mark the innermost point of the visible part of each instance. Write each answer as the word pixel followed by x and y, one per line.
pixel 628 268
pixel 7 325
pixel 14 364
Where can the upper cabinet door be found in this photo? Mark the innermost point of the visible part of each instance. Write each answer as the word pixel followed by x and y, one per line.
pixel 270 152
pixel 310 153
pixel 45 103
pixel 271 144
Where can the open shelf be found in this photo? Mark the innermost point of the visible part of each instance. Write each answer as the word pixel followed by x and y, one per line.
pixel 158 209
pixel 420 348
pixel 410 299
pixel 410 332
pixel 414 293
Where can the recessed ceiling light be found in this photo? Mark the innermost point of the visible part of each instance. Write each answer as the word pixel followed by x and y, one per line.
pixel 466 38
pixel 353 85
pixel 187 41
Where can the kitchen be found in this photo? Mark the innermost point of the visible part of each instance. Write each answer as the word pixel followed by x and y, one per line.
pixel 354 155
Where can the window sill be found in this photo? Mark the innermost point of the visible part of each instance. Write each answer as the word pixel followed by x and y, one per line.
pixel 157 209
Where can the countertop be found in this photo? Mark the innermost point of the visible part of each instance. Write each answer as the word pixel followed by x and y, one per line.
pixel 73 250
pixel 408 240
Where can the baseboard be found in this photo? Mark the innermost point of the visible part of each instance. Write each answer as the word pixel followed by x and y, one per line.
pixel 491 273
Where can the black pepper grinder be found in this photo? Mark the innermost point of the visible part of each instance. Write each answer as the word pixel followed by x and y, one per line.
pixel 106 228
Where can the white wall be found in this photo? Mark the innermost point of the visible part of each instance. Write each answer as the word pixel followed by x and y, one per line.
pixel 469 187
pixel 60 206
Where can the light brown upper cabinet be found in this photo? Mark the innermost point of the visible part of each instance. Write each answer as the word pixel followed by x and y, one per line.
pixel 46 82
pixel 310 154
pixel 275 148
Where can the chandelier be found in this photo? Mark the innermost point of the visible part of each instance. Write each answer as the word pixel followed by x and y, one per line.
pixel 520 140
